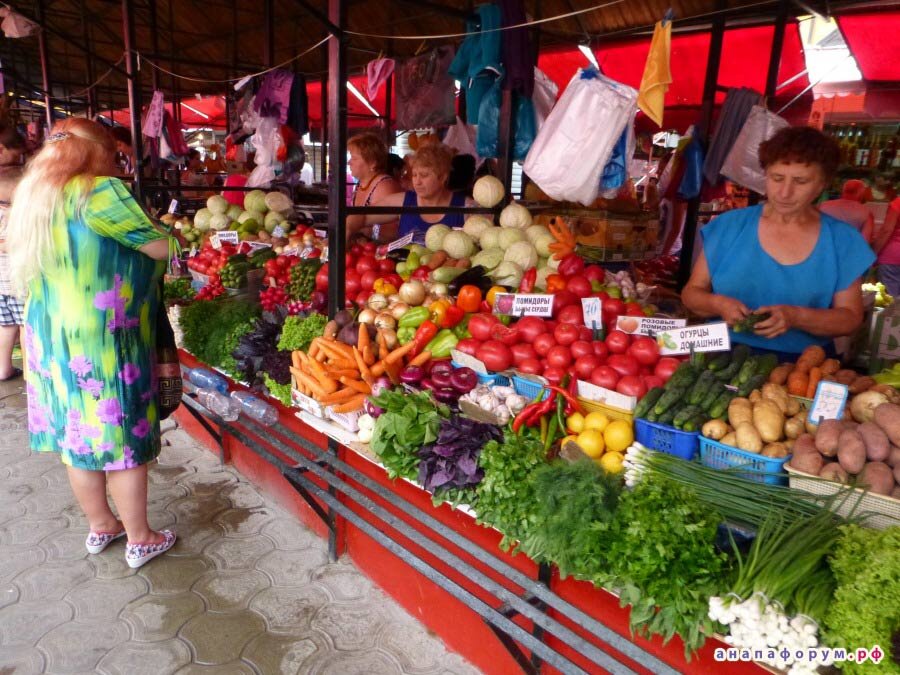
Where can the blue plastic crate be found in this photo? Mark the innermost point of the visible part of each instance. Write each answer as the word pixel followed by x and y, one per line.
pixel 768 470
pixel 666 439
pixel 492 379
pixel 528 388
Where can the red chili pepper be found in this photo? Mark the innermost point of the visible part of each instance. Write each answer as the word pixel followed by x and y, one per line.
pixel 424 334
pixel 452 316
pixel 566 395
pixel 528 414
pixel 542 409
pixel 528 280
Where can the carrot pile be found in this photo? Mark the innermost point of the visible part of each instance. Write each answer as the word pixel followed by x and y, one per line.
pixel 340 375
pixel 565 239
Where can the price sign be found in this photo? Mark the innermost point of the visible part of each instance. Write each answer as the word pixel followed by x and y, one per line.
pixel 708 337
pixel 592 308
pixel 468 361
pixel 173 206
pixel 321 234
pixel 228 237
pixel 523 304
pixel 278 231
pixel 829 403
pixel 257 245
pixel 646 325
pixel 405 240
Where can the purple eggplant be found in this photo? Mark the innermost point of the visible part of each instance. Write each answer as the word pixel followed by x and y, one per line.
pixel 463 380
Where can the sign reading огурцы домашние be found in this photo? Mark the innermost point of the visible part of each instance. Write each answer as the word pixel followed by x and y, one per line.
pixel 707 337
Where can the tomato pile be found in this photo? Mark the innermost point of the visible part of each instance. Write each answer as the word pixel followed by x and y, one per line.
pixel 209 260
pixel 213 289
pixel 364 272
pixel 630 365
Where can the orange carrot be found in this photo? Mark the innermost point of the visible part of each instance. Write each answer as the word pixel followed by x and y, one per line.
pixel 310 383
pixel 351 405
pixel 363 368
pixel 400 352
pixel 359 386
pixel 421 359
pixel 339 396
pixel 815 375
pixel 369 355
pixel 295 358
pixel 362 340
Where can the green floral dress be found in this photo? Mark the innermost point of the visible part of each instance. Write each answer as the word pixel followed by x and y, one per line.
pixel 90 331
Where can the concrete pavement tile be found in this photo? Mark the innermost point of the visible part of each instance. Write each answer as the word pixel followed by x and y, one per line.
pixel 242 522
pixel 23 623
pixel 194 537
pixel 111 564
pixel 197 508
pixel 13 494
pixel 244 496
pixel 160 474
pixel 160 495
pixel 102 599
pixel 14 560
pixel 13 511
pixel 289 610
pixel 9 593
pixel 29 531
pixel 418 651
pixel 45 503
pixel 370 662
pixel 68 545
pixel 236 668
pixel 290 535
pixel 177 438
pixel 350 627
pixel 343 582
pixel 209 482
pixel 76 647
pixel 177 453
pixel 159 617
pixel 289 568
pixel 226 591
pixel 145 658
pixel 51 581
pixel 219 638
pixel 239 553
pixel 32 466
pixel 177 575
pixel 55 477
pixel 25 660
pixel 282 654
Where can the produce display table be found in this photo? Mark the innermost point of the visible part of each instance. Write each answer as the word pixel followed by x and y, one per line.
pixel 504 613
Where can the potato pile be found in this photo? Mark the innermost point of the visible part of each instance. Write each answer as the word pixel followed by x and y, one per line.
pixel 766 423
pixel 843 449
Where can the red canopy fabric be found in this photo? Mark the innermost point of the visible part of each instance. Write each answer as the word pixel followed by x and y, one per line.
pixel 360 115
pixel 873 40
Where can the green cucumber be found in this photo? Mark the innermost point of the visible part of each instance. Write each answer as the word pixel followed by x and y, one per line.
pixel 669 399
pixel 646 403
pixel 766 364
pixel 686 413
pixel 684 376
pixel 754 382
pixel 746 372
pixel 738 355
pixel 711 396
pixel 719 409
pixel 666 418
pixel 720 362
pixel 695 422
pixel 698 392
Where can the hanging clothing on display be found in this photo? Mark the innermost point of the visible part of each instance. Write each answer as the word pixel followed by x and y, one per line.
pixel 377 73
pixel 518 53
pixel 578 138
pixel 735 110
pixel 477 64
pixel 153 120
pixel 425 92
pixel 274 96
pixel 488 130
pixel 657 76
pixel 298 109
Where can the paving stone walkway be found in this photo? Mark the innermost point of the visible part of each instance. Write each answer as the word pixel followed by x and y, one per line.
pixel 247 589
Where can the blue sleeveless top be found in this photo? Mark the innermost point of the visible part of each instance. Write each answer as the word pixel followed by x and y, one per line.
pixel 412 222
pixel 741 269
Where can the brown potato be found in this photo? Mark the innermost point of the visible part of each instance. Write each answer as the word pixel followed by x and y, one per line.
pixel 740 410
pixel 851 451
pixel 805 444
pixel 834 471
pixel 729 439
pixel 827 437
pixel 809 462
pixel 878 448
pixel 887 416
pixel 768 420
pixel 793 407
pixel 894 456
pixel 748 437
pixel 775 450
pixel 861 384
pixel 793 428
pixel 877 476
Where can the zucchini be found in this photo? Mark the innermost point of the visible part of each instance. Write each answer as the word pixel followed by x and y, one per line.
pixel 720 362
pixel 669 399
pixel 646 403
pixel 754 382
pixel 695 422
pixel 684 376
pixel 686 413
pixel 738 355
pixel 719 409
pixel 698 392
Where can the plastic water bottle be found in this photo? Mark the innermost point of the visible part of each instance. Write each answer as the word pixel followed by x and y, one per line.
pixel 206 379
pixel 219 404
pixel 255 408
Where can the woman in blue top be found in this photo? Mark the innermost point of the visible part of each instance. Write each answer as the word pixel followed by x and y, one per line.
pixel 430 168
pixel 784 257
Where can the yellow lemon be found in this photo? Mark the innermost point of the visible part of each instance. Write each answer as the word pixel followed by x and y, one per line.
pixel 591 441
pixel 618 435
pixel 566 439
pixel 612 462
pixel 575 423
pixel 596 420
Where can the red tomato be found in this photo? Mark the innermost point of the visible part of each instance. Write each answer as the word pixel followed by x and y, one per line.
pixel 363 298
pixel 542 343
pixel 386 266
pixel 322 278
pixel 665 367
pixel 634 309
pixel 369 248
pixel 571 314
pixel 614 306
pixel 468 346
pixel 394 279
pixel 617 342
pixel 581 348
pixel 356 251
pixel 645 350
pixel 563 299
pixel 554 374
pixel 505 334
pixel 367 279
pixel 600 349
pixel 594 273
pixel 653 381
pixel 585 333
pixel 480 326
pixel 605 377
pixel 559 356
pixel 495 355
pixel 352 283
pixel 565 333
pixel 366 263
pixel 349 261
pixel 623 364
pixel 579 286
pixel 530 327
pixel 531 367
pixel 550 325
pixel 522 351
pixel 631 385
pixel 585 366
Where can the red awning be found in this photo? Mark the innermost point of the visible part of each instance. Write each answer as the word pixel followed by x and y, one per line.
pixel 873 41
pixel 359 114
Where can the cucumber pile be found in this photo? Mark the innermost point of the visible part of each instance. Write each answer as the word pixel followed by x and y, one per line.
pixel 701 389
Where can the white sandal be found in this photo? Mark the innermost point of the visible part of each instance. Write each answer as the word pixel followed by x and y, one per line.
pixel 96 542
pixel 138 554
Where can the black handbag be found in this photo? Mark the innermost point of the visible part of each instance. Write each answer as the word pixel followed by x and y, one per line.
pixel 168 367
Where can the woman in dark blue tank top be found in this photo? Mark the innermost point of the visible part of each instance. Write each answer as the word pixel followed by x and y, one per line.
pixel 430 168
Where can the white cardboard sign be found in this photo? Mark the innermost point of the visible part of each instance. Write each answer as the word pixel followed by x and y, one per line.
pixel 707 337
pixel 592 308
pixel 831 397
pixel 647 325
pixel 468 361
pixel 524 304
pixel 224 237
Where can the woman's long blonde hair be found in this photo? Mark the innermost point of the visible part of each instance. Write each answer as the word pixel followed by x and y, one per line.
pixel 76 148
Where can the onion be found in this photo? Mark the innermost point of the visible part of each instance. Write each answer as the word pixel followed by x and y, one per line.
pixel 440 290
pixel 412 292
pixel 377 301
pixel 398 309
pixel 385 320
pixel 412 375
pixel 371 409
pixel 367 316
pixel 380 385
pixel 393 299
pixel 441 378
pixel 390 338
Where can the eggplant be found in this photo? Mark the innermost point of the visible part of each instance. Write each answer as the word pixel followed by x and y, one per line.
pixel 475 276
pixel 398 254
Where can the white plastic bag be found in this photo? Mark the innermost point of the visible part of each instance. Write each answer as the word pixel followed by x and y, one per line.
pixel 461 137
pixel 742 163
pixel 578 137
pixel 544 96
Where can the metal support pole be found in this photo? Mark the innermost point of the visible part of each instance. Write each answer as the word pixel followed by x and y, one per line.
pixel 505 141
pixel 45 68
pixel 337 157
pixel 777 48
pixel 154 40
pixel 702 132
pixel 388 111
pixel 134 97
pixel 269 41
pixel 89 63
pixel 323 144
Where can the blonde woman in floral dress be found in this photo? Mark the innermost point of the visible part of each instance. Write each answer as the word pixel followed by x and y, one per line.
pixel 90 259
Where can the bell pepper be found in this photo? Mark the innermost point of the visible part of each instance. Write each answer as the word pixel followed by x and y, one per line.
pixel 384 287
pixel 442 344
pixel 424 334
pixel 405 334
pixel 461 330
pixel 492 294
pixel 438 310
pixel 571 265
pixel 421 273
pixel 528 280
pixel 469 298
pixel 555 282
pixel 453 315
pixel 414 317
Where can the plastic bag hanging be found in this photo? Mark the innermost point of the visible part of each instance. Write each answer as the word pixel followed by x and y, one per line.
pixel 615 173
pixel 15 25
pixel 742 163
pixel 692 179
pixel 266 140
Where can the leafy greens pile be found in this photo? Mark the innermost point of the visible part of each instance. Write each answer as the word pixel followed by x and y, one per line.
pixel 212 329
pixel 409 421
pixel 257 351
pixel 451 462
pixel 298 332
pixel 280 391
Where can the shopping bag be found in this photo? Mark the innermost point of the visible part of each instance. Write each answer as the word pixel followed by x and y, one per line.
pixel 742 162
pixel 692 180
pixel 544 96
pixel 524 124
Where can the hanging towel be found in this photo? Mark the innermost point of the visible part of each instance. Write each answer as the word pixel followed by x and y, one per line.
pixel 377 73
pixel 274 95
pixel 657 76
pixel 153 121
pixel 477 63
pixel 734 113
